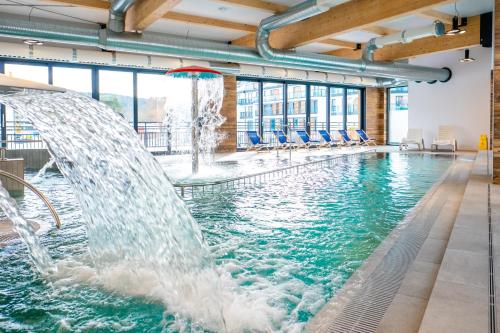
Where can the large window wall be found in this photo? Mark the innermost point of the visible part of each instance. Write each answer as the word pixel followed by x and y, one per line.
pixel 140 96
pixel 294 106
pixel 397 114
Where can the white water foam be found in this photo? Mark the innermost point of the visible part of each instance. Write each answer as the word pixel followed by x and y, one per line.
pixel 142 239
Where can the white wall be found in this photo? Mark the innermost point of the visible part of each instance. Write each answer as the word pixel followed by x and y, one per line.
pixel 463 102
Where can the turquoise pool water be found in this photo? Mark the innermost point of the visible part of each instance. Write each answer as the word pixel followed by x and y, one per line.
pixel 289 243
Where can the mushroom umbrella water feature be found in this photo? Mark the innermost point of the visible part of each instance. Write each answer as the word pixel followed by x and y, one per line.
pixel 194 73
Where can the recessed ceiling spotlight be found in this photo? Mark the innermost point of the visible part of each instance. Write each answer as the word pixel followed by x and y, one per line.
pixel 455 27
pixel 32 42
pixel 467 57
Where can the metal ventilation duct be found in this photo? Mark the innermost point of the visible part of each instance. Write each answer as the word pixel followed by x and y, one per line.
pixel 362 66
pixel 116 21
pixel 174 46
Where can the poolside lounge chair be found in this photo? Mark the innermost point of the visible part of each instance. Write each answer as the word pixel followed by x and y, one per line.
pixel 256 142
pixel 329 140
pixel 306 140
pixel 413 137
pixel 364 139
pixel 347 139
pixel 283 141
pixel 446 137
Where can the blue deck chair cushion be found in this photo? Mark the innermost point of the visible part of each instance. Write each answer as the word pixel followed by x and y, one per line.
pixel 324 134
pixel 363 135
pixel 281 136
pixel 255 138
pixel 344 135
pixel 305 137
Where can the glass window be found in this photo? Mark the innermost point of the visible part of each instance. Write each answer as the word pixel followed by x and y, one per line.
pixel 116 89
pixel 297 106
pixel 152 91
pixel 318 108
pixel 17 128
pixel 247 110
pixel 398 114
pixel 76 79
pixel 273 109
pixel 353 109
pixel 336 108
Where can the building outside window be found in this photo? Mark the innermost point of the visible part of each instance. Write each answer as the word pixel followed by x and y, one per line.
pixel 318 109
pixel 297 114
pixel 116 89
pixel 247 97
pixel 397 114
pixel 353 109
pixel 17 127
pixel 336 108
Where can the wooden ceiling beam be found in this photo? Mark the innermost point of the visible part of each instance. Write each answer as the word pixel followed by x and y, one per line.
pixel 422 46
pixel 350 16
pixel 256 4
pixel 144 13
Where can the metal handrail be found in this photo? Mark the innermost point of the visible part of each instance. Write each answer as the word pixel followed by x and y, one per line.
pixel 37 192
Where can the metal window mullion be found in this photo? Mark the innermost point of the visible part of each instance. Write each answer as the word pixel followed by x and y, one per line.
pixel 285 107
pixel 328 104
pixel 308 109
pixel 344 111
pixel 362 110
pixel 3 117
pixel 261 109
pixel 136 102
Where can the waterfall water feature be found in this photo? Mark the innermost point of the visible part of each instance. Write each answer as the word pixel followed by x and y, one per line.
pixel 210 96
pixel 41 173
pixel 139 231
pixel 38 254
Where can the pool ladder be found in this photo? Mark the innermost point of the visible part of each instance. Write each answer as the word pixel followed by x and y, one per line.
pixel 37 192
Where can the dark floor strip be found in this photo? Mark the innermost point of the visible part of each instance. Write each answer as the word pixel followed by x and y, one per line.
pixel 492 312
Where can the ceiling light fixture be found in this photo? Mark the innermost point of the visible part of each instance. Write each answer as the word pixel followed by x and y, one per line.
pixel 32 42
pixel 467 57
pixel 456 27
pixel 457 23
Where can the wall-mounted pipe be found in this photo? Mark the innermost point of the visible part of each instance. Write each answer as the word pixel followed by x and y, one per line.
pixel 310 8
pixel 117 11
pixel 175 46
pixel 437 29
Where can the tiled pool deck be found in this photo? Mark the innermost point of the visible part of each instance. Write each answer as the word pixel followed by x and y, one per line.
pixel 446 287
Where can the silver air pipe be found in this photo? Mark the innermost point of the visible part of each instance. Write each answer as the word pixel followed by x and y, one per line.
pixel 335 64
pixel 116 21
pixel 406 36
pixel 172 46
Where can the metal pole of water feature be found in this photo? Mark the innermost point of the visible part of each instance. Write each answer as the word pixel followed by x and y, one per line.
pixel 195 126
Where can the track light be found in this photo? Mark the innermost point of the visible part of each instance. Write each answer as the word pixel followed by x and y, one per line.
pixel 32 42
pixel 467 57
pixel 455 26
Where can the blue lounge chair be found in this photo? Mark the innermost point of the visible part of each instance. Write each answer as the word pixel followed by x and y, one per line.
pixel 256 142
pixel 306 140
pixel 365 139
pixel 329 140
pixel 347 139
pixel 283 141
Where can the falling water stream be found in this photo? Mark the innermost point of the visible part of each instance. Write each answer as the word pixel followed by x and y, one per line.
pixel 142 240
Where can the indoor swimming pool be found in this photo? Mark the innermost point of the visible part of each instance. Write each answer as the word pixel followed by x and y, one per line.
pixel 283 247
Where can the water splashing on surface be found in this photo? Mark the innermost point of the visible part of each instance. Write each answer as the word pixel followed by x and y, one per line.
pixel 210 96
pixel 142 238
pixel 41 173
pixel 38 254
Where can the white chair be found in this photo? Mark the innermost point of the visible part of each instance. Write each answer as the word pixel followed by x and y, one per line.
pixel 413 137
pixel 446 137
